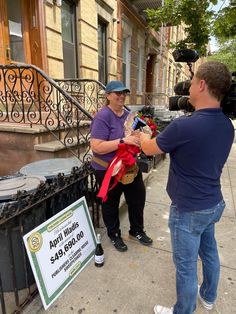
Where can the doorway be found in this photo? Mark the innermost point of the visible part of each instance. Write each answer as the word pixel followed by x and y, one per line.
pixel 150 72
pixel 21 39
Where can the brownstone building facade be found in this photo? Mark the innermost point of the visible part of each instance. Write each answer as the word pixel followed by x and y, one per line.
pixel 81 39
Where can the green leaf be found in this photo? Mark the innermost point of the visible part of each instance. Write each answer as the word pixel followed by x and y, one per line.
pixel 200 22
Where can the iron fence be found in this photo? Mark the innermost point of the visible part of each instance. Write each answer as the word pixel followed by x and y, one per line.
pixel 89 93
pixel 64 108
pixel 25 212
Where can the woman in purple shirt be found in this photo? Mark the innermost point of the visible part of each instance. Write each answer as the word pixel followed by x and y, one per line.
pixel 107 132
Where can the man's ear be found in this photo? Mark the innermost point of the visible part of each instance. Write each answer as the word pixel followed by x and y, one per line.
pixel 202 85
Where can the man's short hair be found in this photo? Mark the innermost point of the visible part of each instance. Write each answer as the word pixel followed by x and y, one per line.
pixel 217 77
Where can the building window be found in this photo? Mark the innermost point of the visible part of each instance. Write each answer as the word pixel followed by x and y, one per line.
pixel 164 78
pixel 102 51
pixel 169 81
pixel 69 39
pixel 126 60
pixel 173 80
pixel 158 75
pixel 140 69
pixel 15 30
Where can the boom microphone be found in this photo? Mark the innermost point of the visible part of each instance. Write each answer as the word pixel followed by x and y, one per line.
pixel 185 55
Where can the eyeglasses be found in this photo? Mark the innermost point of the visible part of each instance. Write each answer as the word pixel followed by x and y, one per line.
pixel 123 93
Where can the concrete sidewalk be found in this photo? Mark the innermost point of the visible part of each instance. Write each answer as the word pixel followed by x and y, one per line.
pixel 134 281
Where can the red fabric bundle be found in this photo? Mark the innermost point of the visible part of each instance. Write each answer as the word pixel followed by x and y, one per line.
pixel 126 153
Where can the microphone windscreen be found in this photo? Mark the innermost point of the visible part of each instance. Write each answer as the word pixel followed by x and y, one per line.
pixel 185 55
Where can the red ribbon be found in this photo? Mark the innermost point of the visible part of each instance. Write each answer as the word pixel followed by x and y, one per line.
pixel 126 153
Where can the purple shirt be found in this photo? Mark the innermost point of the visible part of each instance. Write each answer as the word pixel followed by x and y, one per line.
pixel 107 126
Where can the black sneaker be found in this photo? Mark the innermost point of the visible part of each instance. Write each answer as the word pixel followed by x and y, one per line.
pixel 119 244
pixel 141 237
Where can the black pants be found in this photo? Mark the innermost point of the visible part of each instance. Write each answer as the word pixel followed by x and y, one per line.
pixel 135 195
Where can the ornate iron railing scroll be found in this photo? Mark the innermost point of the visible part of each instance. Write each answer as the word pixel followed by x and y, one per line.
pixel 28 96
pixel 89 93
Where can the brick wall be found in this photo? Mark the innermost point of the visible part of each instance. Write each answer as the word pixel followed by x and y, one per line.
pixel 54 41
pixel 87 13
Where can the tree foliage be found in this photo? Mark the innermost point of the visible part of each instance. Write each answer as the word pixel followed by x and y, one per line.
pixel 198 20
pixel 225 23
pixel 225 32
pixel 226 54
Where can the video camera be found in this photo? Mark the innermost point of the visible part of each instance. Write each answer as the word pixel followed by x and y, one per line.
pixel 181 100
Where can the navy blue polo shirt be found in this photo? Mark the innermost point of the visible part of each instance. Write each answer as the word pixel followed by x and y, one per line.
pixel 198 146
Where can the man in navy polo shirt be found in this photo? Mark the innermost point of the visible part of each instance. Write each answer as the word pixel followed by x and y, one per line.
pixel 199 146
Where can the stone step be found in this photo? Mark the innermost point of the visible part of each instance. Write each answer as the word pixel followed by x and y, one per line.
pixel 40 134
pixel 54 146
pixel 35 128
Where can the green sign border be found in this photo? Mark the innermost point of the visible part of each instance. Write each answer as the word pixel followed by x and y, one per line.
pixel 48 299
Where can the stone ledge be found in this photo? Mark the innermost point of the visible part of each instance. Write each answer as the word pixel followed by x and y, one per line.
pixel 34 129
pixel 54 146
pixel 16 128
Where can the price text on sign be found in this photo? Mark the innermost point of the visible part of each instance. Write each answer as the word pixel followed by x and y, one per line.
pixel 60 248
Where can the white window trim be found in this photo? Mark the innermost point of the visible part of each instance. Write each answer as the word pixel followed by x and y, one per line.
pixel 140 61
pixel 164 78
pixel 140 69
pixel 127 33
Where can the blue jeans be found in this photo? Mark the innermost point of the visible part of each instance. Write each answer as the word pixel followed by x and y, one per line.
pixel 193 234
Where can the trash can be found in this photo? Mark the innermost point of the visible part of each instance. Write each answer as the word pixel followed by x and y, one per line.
pixel 50 168
pixel 15 270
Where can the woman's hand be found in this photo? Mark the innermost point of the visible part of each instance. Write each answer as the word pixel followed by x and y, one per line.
pixel 103 147
pixel 149 146
pixel 132 139
pixel 144 136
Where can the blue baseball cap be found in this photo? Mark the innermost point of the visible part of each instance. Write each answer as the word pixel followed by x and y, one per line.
pixel 116 86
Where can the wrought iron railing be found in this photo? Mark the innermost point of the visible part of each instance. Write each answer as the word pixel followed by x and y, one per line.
pixel 89 93
pixel 24 213
pixel 65 108
pixel 28 96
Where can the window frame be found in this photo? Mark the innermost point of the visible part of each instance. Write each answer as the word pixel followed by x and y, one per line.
pixel 72 6
pixel 102 59
pixel 126 59
pixel 140 63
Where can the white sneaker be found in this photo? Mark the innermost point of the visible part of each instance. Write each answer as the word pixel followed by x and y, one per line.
pixel 208 306
pixel 158 309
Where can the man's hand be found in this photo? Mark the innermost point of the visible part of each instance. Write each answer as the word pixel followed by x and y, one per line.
pixel 148 145
pixel 144 136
